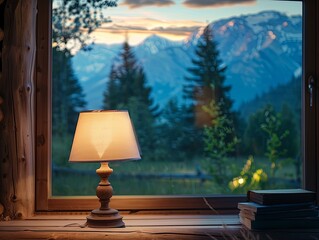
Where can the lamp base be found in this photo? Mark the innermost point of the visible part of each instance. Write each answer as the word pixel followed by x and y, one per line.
pixel 109 218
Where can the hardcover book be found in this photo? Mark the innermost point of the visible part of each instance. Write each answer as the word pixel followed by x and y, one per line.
pixel 259 209
pixel 281 196
pixel 311 212
pixel 286 223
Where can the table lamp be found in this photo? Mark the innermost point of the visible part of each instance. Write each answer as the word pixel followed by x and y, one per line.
pixel 104 136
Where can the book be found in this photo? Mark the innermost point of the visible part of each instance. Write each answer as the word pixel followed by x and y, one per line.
pixel 259 208
pixel 286 223
pixel 281 196
pixel 311 212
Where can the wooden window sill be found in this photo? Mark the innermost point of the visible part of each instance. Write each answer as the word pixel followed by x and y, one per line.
pixel 143 227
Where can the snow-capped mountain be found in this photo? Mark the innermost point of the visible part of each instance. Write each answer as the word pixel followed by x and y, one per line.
pixel 260 51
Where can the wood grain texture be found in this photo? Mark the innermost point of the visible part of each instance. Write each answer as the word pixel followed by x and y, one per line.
pixel 137 227
pixel 217 204
pixel 17 90
pixel 146 227
pixel 43 106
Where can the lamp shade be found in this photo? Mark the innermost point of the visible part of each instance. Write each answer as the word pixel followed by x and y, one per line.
pixel 104 136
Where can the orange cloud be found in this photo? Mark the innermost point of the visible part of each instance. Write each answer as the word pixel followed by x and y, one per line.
pixel 139 28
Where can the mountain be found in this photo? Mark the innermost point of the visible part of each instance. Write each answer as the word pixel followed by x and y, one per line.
pixel 92 69
pixel 260 51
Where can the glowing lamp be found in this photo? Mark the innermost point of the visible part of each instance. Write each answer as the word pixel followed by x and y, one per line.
pixel 104 136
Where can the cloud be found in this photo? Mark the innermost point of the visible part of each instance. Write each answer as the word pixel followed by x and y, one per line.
pixel 153 25
pixel 120 29
pixel 171 30
pixel 214 3
pixel 131 23
pixel 127 27
pixel 143 3
pixel 140 28
pixel 183 30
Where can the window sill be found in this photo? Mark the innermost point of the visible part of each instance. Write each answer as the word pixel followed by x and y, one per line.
pixel 143 227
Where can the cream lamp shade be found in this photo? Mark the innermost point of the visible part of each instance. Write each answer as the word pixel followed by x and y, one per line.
pixel 104 136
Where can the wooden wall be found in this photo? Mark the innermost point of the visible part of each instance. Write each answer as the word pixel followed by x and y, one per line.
pixel 2 7
pixel 17 93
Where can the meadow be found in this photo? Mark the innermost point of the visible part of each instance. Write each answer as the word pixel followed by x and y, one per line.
pixel 159 178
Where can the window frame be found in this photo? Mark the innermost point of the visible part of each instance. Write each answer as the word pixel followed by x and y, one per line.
pixel 221 203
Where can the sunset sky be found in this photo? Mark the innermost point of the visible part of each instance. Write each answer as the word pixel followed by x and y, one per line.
pixel 176 19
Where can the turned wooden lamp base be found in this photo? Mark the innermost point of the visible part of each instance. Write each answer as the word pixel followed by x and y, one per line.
pixel 104 216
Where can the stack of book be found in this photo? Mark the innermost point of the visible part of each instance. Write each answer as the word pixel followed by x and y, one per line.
pixel 282 208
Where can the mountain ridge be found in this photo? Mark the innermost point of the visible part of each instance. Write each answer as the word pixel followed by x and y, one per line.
pixel 258 50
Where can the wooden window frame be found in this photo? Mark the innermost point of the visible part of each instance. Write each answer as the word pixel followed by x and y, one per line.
pixel 221 203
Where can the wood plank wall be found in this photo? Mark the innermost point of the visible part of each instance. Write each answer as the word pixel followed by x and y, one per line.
pixel 2 7
pixel 17 91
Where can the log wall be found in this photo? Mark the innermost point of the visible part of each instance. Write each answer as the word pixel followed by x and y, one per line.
pixel 17 92
pixel 2 7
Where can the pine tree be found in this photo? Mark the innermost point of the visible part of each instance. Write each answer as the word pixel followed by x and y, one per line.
pixel 112 92
pixel 207 80
pixel 127 90
pixel 67 94
pixel 127 79
pixel 205 84
pixel 175 137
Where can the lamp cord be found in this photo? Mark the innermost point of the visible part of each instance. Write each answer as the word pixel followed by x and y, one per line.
pixel 76 225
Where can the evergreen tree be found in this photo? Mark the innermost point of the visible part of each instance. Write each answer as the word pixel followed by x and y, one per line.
pixel 127 79
pixel 174 134
pixel 111 94
pixel 67 97
pixel 207 79
pixel 205 84
pixel 255 138
pixel 127 89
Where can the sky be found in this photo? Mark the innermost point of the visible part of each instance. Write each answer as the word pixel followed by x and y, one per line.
pixel 135 20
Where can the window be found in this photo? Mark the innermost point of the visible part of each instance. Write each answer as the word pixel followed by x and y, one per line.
pixel 133 202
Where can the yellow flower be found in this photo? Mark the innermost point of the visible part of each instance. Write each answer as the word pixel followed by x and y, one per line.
pixel 241 181
pixel 235 183
pixel 256 176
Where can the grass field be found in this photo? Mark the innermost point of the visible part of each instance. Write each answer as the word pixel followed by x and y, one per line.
pixel 127 178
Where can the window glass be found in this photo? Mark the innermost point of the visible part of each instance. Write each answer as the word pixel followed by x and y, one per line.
pixel 213 90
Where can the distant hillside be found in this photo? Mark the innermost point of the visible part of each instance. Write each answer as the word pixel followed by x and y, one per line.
pixel 288 93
